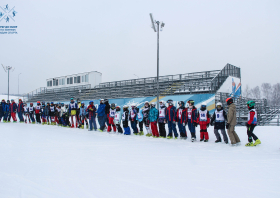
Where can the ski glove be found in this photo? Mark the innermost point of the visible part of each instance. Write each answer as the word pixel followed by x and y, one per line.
pixel 227 126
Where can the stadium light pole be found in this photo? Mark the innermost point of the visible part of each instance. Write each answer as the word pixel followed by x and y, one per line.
pixel 161 24
pixel 8 68
pixel 18 83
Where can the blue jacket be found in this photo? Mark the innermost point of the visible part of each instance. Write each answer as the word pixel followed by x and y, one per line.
pixel 74 108
pixel 13 107
pixel 140 115
pixel 153 115
pixel 101 110
pixel 2 107
pixel 171 113
pixel 7 108
pixel 135 112
pixel 20 107
pixel 83 111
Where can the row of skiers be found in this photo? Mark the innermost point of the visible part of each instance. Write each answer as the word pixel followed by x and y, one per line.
pixel 148 116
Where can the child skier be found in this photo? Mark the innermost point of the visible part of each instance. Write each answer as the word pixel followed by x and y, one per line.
pixel 43 114
pixel 52 113
pixel 20 111
pixel 191 118
pixel 146 111
pixel 8 111
pixel 117 119
pixel 111 123
pixel 2 109
pixel 38 112
pixel 251 124
pixel 59 115
pixel 73 110
pixel 91 116
pixel 31 110
pixel 140 120
pixel 219 117
pixel 162 119
pixel 153 117
pixel 13 110
pixel 171 119
pixel 181 119
pixel 83 119
pixel 203 119
pixel 65 117
pixel 133 119
pixel 26 113
pixel 125 118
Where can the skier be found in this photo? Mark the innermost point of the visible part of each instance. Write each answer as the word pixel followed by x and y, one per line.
pixel 231 122
pixel 78 110
pixel 38 112
pixel 13 110
pixel 203 119
pixel 191 118
pixel 112 113
pixel 181 119
pixel 171 119
pixel 140 119
pixel 146 111
pixel 125 118
pixel 31 110
pixel 91 116
pixel 133 119
pixel 251 124
pixel 219 117
pixel 43 114
pixel 83 119
pixel 117 119
pixel 73 112
pixel 7 112
pixel 162 119
pixel 107 111
pixel 2 109
pixel 20 111
pixel 47 114
pixel 65 117
pixel 52 113
pixel 102 117
pixel 153 117
pixel 26 113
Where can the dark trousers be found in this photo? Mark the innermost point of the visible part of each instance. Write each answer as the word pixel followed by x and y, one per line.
pixel 38 118
pixel 172 126
pixel 217 134
pixel 182 129
pixel 141 125
pixel 162 131
pixel 250 133
pixel 119 128
pixel 20 116
pixel 101 121
pixel 134 126
pixel 191 128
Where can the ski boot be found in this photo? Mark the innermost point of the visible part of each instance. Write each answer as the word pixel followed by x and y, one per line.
pixel 82 127
pixel 249 144
pixel 99 130
pixel 201 140
pixel 87 127
pixel 141 133
pixel 169 137
pixel 176 138
pixel 192 139
pixel 205 140
pixel 72 126
pixel 257 142
pixel 217 141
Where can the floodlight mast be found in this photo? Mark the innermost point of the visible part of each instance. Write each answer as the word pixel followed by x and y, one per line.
pixel 157 30
pixel 8 68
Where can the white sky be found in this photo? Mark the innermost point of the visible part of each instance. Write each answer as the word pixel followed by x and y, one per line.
pixel 58 38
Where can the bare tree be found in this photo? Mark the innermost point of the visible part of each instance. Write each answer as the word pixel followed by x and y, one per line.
pixel 246 92
pixel 275 99
pixel 267 91
pixel 256 92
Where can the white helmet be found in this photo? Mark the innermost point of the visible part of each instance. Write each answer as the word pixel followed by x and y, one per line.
pixel 146 102
pixel 162 101
pixel 203 104
pixel 133 105
pixel 101 100
pixel 153 104
pixel 219 104
pixel 125 106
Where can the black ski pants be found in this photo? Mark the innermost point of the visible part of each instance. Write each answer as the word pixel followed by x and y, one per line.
pixel 250 133
pixel 162 131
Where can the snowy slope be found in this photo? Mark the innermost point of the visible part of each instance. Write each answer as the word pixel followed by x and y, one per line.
pixel 50 161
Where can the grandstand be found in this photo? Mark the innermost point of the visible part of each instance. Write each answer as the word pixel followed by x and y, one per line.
pixel 181 84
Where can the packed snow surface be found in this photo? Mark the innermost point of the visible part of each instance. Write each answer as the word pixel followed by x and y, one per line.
pixel 50 161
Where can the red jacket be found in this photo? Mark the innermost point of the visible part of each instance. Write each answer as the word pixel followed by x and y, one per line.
pixel 207 117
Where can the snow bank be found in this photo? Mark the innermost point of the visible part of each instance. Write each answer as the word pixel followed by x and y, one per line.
pixel 50 161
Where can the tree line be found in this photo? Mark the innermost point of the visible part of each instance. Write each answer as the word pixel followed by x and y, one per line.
pixel 268 91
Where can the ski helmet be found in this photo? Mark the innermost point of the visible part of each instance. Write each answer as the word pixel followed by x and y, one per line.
pixel 71 98
pixel 3 100
pixel 90 102
pixel 251 103
pixel 170 102
pixel 8 101
pixel 181 103
pixel 82 103
pixel 125 107
pixel 161 103
pixel 12 100
pixel 203 106
pixel 62 104
pixel 191 102
pixel 219 105
pixel 113 105
pixel 153 104
pixel 31 103
pixel 229 101
pixel 51 103
pixel 101 100
pixel 118 108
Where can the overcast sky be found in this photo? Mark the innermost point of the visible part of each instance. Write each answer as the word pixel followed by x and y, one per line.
pixel 57 38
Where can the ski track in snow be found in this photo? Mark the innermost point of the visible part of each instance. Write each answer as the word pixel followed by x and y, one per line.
pixel 50 161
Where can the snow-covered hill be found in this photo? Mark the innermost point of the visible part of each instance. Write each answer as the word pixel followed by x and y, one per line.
pixel 50 161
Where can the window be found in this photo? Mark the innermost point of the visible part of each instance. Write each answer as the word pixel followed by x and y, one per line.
pixel 55 82
pixel 71 80
pixel 86 78
pixel 83 78
pixel 49 83
pixel 78 79
pixel 63 81
pixel 75 79
pixel 68 81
